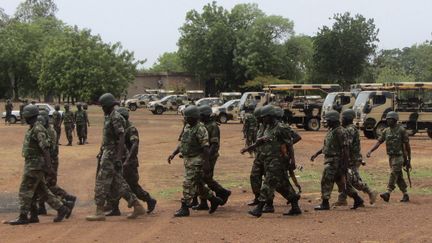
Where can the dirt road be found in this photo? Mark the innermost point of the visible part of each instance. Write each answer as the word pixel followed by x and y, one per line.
pixel 383 222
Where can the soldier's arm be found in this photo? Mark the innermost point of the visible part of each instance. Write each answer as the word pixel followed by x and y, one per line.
pixel 380 141
pixel 135 143
pixel 203 139
pixel 43 143
pixel 174 153
pixel 407 147
pixel 313 157
pixel 120 133
pixel 86 118
pixel 214 140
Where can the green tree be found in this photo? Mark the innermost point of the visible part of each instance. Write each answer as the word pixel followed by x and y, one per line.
pixel 342 51
pixel 388 75
pixel 168 62
pixel 31 10
pixel 297 55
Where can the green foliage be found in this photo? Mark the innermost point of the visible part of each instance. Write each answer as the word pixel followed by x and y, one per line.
pixel 168 62
pixel 32 10
pixel 388 75
pixel 342 51
pixel 260 82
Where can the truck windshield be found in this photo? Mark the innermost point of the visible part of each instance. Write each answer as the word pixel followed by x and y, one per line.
pixel 328 102
pixel 361 100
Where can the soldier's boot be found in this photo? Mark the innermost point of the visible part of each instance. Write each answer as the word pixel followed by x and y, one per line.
pixel 223 194
pixel 61 214
pixel 80 141
pixel 183 211
pixel 295 209
pixel 194 202
pixel 99 216
pixel 138 210
pixel 372 197
pixel 151 204
pixel 323 206
pixel 115 211
pixel 215 202
pixel 202 206
pixel 358 202
pixel 405 198
pixel 339 203
pixel 268 207
pixel 257 211
pixel 254 202
pixel 385 196
pixel 70 205
pixel 107 207
pixel 42 209
pixel 34 215
pixel 22 219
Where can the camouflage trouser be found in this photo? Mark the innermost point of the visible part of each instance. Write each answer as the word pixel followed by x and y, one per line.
pixel 256 175
pixel 33 182
pixel 193 184
pixel 396 174
pixel 69 130
pixel 80 128
pixel 85 131
pixel 276 179
pixel 331 175
pixel 131 176
pixel 58 131
pixel 109 179
pixel 356 181
pixel 208 176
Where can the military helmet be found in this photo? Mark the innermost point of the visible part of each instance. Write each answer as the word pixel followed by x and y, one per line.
pixel 57 107
pixel 41 119
pixel 30 111
pixel 392 115
pixel 192 111
pixel 44 113
pixel 205 110
pixel 268 110
pixel 85 106
pixel 123 111
pixel 279 112
pixel 79 104
pixel 107 100
pixel 257 112
pixel 348 114
pixel 332 116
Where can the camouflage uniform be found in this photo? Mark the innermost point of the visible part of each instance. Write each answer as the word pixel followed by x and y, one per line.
pixel 257 171
pixel 109 176
pixel 8 108
pixel 81 124
pixel 193 140
pixel 87 124
pixel 69 123
pixel 57 121
pixel 250 128
pixel 33 181
pixel 334 143
pixel 395 138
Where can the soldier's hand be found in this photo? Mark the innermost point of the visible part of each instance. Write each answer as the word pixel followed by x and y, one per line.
pixel 313 157
pixel 368 154
pixel 243 150
pixel 171 157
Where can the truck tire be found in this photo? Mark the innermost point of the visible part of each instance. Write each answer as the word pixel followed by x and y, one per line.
pixel 159 110
pixel 12 119
pixel 133 107
pixel 223 118
pixel 313 124
pixel 369 134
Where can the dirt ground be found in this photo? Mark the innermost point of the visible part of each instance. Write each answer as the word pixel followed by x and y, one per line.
pixel 383 222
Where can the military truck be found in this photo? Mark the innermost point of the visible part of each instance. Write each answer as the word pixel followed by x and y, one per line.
pixel 302 103
pixel 139 101
pixel 168 103
pixel 228 111
pixel 227 96
pixel 195 94
pixel 252 99
pixel 412 100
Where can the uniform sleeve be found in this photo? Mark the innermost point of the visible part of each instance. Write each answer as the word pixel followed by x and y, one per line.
pixel 381 138
pixel 118 125
pixel 134 137
pixel 202 136
pixel 284 135
pixel 405 137
pixel 342 137
pixel 42 138
pixel 214 134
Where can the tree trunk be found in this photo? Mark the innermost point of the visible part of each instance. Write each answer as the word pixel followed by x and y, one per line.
pixel 14 87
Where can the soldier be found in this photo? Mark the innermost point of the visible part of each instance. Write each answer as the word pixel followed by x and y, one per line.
pixel 21 111
pixel 276 178
pixel 8 108
pixel 51 178
pixel 399 152
pixel 57 121
pixel 194 148
pixel 69 124
pixel 355 161
pixel 250 127
pixel 214 140
pixel 37 159
pixel 336 158
pixel 109 176
pixel 130 167
pixel 81 119
pixel 257 171
pixel 85 108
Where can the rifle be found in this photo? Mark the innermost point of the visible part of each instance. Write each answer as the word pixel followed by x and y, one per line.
pixel 407 168
pixel 260 141
pixel 98 157
pixel 291 167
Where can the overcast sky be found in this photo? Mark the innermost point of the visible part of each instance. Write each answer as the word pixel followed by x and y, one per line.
pixel 150 28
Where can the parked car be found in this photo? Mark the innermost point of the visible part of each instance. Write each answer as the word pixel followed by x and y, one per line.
pixel 42 106
pixel 228 111
pixel 210 101
pixel 168 103
pixel 139 101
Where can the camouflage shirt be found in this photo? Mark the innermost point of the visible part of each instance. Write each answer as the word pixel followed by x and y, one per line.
pixel 35 141
pixel 394 138
pixel 277 135
pixel 53 142
pixel 250 123
pixel 335 141
pixel 80 117
pixel 354 144
pixel 131 137
pixel 68 117
pixel 57 118
pixel 114 128
pixel 193 140
pixel 214 134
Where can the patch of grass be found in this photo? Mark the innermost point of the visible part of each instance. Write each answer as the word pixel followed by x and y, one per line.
pixel 169 193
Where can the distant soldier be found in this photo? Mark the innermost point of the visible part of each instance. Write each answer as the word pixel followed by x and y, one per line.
pixel 85 108
pixel 37 159
pixel 399 152
pixel 69 124
pixel 8 108
pixel 109 178
pixel 194 148
pixel 276 177
pixel 336 159
pixel 81 119
pixel 23 104
pixel 130 167
pixel 214 140
pixel 355 161
pixel 57 122
pixel 250 127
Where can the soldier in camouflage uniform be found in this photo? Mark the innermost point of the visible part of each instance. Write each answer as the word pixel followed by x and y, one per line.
pixel 69 124
pixel 214 140
pixel 37 159
pixel 250 127
pixel 85 108
pixel 355 162
pixel 57 122
pixel 399 152
pixel 8 109
pixel 336 159
pixel 257 171
pixel 109 178
pixel 51 178
pixel 81 119
pixel 130 167
pixel 194 148
pixel 276 177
